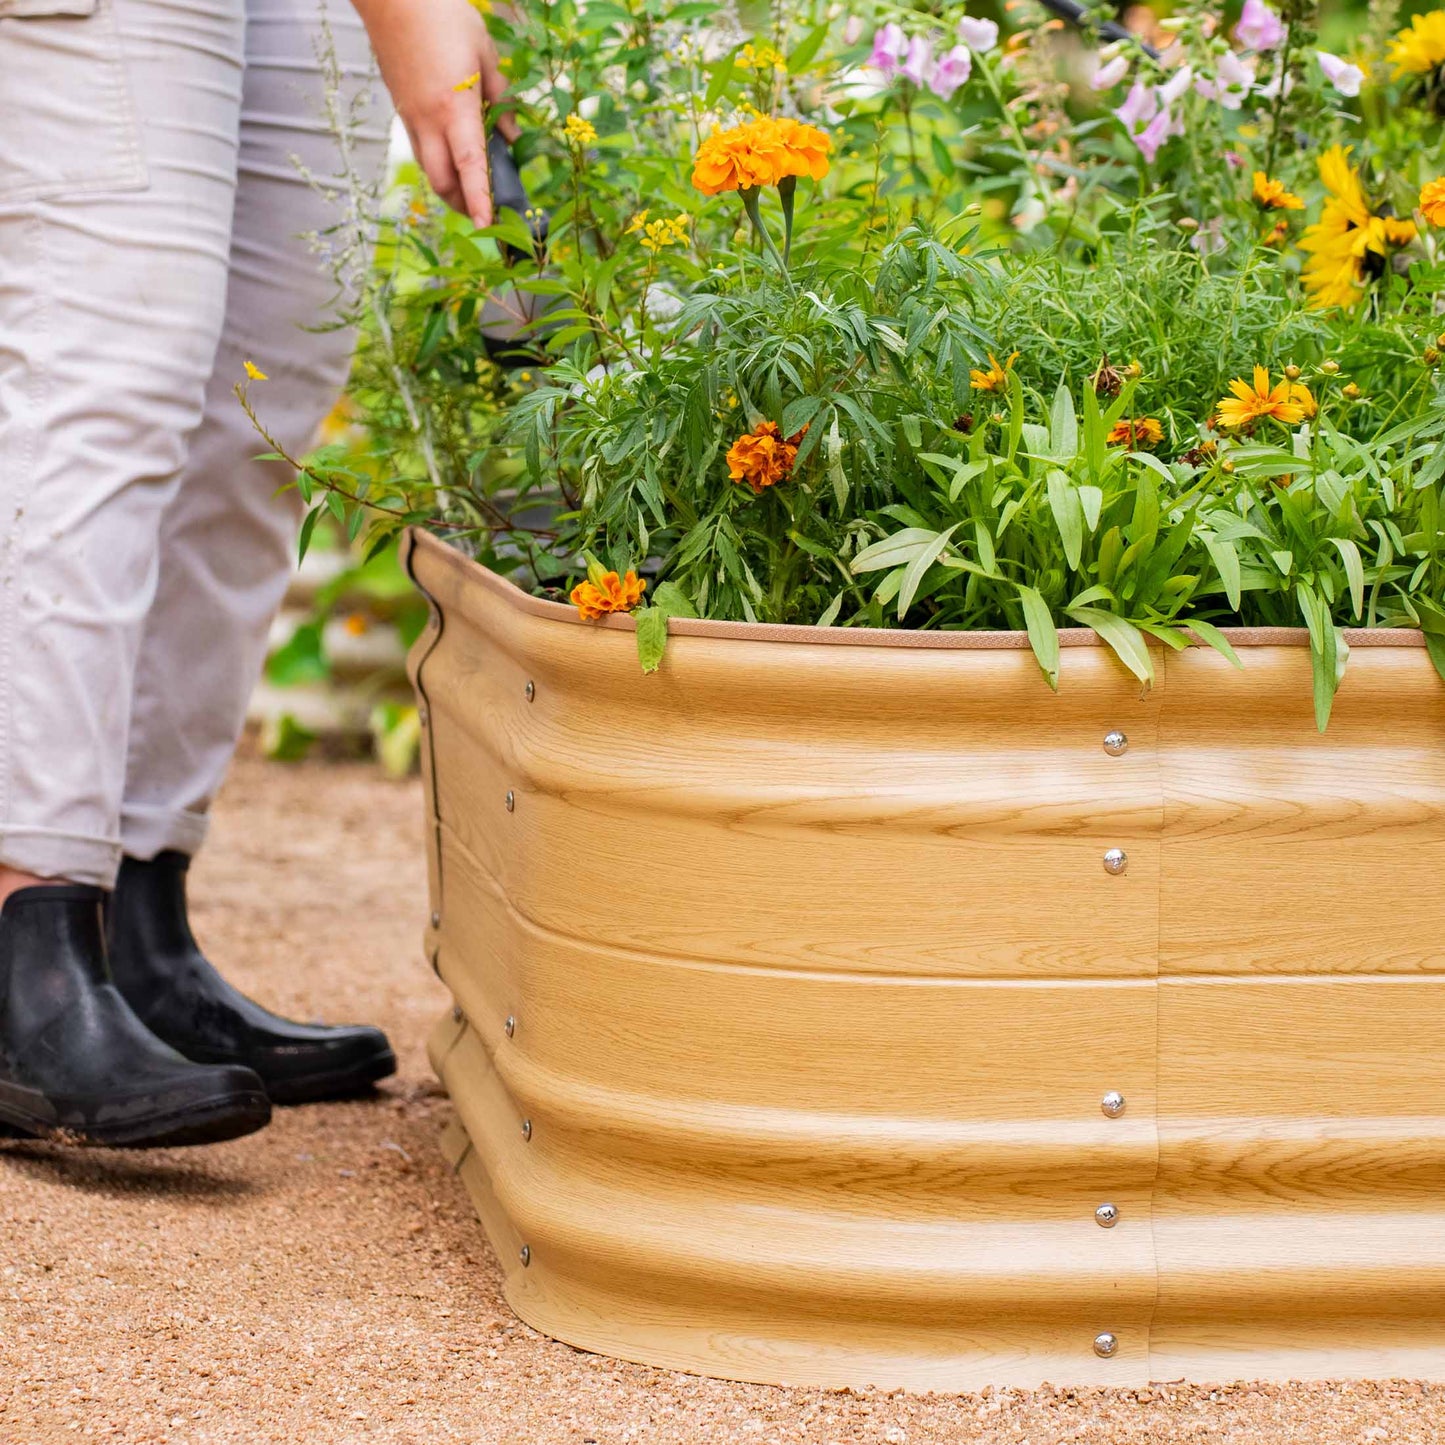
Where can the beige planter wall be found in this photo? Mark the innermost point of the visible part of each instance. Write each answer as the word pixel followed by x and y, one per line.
pixel 791 981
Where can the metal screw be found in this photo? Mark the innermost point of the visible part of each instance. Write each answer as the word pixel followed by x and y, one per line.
pixel 1115 743
pixel 511 801
pixel 1105 1345
pixel 527 1259
pixel 527 1130
pixel 510 1027
pixel 1112 1103
pixel 1116 861
pixel 531 691
pixel 436 920
pixel 1106 1216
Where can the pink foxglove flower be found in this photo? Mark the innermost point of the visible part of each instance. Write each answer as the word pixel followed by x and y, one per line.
pixel 889 45
pixel 918 63
pixel 1156 133
pixel 1344 76
pixel 952 70
pixel 1175 86
pixel 1231 84
pixel 1108 75
pixel 1259 27
pixel 979 34
pixel 1140 106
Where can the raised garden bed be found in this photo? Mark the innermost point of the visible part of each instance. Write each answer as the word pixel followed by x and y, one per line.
pixel 803 1031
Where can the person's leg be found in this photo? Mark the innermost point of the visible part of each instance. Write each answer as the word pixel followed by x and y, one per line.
pixel 227 544
pixel 117 170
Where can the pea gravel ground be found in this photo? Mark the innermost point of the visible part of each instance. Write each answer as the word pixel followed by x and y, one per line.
pixel 326 1281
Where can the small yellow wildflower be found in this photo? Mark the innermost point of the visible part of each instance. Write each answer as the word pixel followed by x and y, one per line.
pixel 1432 201
pixel 655 235
pixel 579 131
pixel 1272 196
pixel 1288 402
pixel 1420 47
pixel 760 57
pixel 255 372
pixel 470 83
pixel 996 377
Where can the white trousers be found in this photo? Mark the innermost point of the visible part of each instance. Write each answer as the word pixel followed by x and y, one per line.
pixel 151 220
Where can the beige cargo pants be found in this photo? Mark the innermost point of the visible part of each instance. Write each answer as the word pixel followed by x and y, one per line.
pixel 150 222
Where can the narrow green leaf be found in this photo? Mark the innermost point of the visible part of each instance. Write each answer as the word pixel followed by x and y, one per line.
pixel 1121 635
pixel 1043 635
pixel 918 567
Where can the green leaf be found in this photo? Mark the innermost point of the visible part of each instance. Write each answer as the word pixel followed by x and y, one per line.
pixel 893 551
pixel 651 637
pixel 1043 635
pixel 1121 635
pixel 1068 514
pixel 1354 571
pixel 1226 560
pixel 285 740
pixel 913 576
pixel 830 613
pixel 834 458
pixel 804 51
pixel 672 600
pixel 1209 633
pixel 1063 426
pixel 300 659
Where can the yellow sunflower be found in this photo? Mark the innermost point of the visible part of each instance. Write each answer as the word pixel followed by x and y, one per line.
pixel 1350 242
pixel 1420 47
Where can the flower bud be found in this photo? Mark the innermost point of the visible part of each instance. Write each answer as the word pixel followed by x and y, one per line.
pixel 1440 340
pixel 1350 390
pixel 1187 223
pixel 1330 368
pixel 1292 372
pixel 1134 371
pixel 1432 357
pixel 1227 467
pixel 1173 24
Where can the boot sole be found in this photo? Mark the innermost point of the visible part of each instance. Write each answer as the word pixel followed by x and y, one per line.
pixel 207 1121
pixel 337 1084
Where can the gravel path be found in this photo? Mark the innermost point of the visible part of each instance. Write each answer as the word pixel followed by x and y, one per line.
pixel 326 1281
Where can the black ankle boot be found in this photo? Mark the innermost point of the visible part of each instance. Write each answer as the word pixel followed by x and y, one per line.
pixel 76 1064
pixel 166 979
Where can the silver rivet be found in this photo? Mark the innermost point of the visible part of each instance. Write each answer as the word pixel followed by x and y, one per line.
pixel 527 1130
pixel 1105 1345
pixel 510 1026
pixel 1116 861
pixel 1106 1216
pixel 457 1012
pixel 1112 1103
pixel 511 801
pixel 531 691
pixel 526 1253
pixel 1115 743
pixel 436 920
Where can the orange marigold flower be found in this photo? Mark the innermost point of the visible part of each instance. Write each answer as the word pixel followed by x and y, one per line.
pixel 1432 201
pixel 761 152
pixel 610 594
pixel 762 457
pixel 1143 431
pixel 1288 402
pixel 1272 196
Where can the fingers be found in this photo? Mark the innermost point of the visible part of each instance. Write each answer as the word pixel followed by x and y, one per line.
pixel 468 146
pixel 434 156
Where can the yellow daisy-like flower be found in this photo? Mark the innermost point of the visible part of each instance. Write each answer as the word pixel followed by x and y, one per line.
pixel 1432 201
pixel 1349 243
pixel 1420 47
pixel 470 83
pixel 255 372
pixel 1137 432
pixel 665 231
pixel 996 377
pixel 579 131
pixel 759 57
pixel 1289 402
pixel 1272 196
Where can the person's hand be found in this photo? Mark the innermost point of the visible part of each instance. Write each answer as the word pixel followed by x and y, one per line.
pixel 439 64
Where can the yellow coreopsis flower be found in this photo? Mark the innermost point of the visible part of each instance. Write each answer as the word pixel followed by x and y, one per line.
pixel 760 57
pixel 1349 242
pixel 1288 402
pixel 1272 196
pixel 1432 201
pixel 255 372
pixel 655 235
pixel 579 131
pixel 996 377
pixel 1420 47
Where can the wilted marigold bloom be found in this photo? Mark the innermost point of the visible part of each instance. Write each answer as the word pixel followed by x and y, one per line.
pixel 1288 402
pixel 1420 47
pixel 611 594
pixel 1143 431
pixel 579 131
pixel 995 378
pixel 762 457
pixel 1342 243
pixel 761 152
pixel 1272 196
pixel 1432 201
